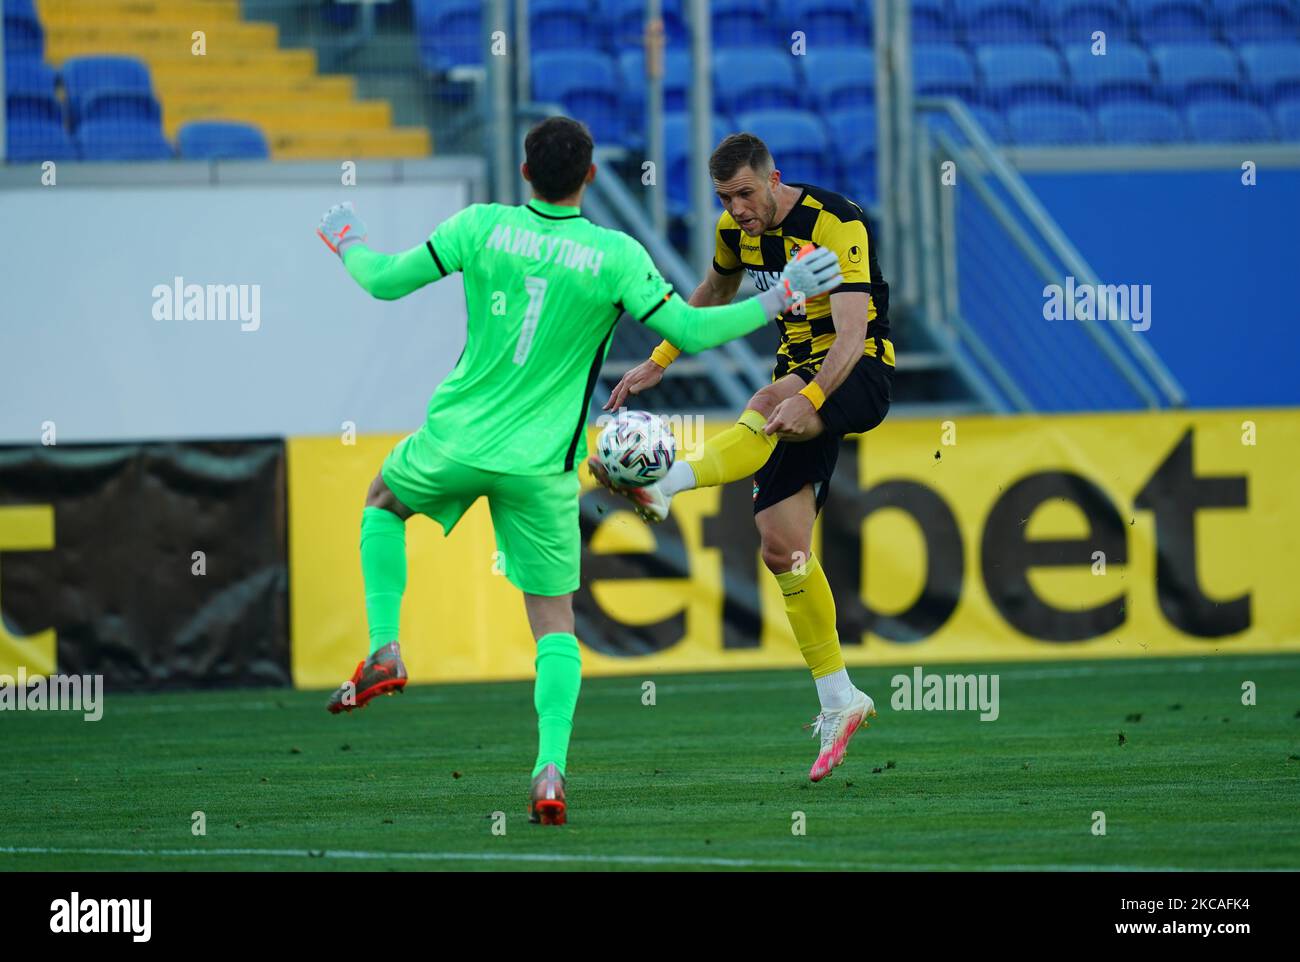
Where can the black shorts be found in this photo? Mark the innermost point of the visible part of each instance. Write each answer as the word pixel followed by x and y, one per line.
pixel 856 406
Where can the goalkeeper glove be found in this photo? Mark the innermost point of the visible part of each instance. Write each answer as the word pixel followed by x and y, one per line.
pixel 814 271
pixel 340 227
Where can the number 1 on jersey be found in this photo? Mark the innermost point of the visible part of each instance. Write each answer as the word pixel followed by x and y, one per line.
pixel 536 288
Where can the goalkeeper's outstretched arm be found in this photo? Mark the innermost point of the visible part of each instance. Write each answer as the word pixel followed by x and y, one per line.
pixel 695 329
pixel 385 276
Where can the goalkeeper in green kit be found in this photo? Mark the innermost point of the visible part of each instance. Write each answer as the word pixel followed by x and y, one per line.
pixel 544 289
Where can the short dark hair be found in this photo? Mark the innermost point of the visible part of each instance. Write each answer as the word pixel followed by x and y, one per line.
pixel 558 154
pixel 737 151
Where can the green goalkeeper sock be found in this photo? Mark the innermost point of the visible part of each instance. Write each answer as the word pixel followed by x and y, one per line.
pixel 383 566
pixel 559 676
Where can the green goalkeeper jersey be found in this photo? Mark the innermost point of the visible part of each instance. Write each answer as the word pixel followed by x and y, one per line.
pixel 544 289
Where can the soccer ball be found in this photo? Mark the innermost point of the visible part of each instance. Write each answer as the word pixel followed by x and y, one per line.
pixel 636 448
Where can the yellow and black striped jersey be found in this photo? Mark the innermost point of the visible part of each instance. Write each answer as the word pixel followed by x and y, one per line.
pixel 829 220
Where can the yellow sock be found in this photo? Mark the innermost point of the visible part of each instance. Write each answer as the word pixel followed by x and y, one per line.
pixel 811 608
pixel 736 453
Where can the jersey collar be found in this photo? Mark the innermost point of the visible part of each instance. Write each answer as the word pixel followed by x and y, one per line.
pixel 552 211
pixel 803 192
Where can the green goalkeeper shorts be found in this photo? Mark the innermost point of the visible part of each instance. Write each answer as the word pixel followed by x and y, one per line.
pixel 534 518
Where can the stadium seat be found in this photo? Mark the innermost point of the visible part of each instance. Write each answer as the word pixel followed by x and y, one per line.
pixel 1074 21
pixel 450 33
pixel 36 142
pixel 221 140
pixel 796 139
pixel 1139 123
pixel 754 80
pixel 829 22
pixel 1194 71
pixel 943 70
pixel 1124 72
pixel 27 75
pixel 1225 122
pixel 560 25
pixel 997 21
pixel 23 36
pixel 1242 21
pixel 624 21
pixel 990 121
pixel 126 106
pixel 1273 69
pixel 1287 116
pixel 585 83
pixel 1034 125
pixel 109 140
pixel 33 109
pixel 931 22
pixel 839 77
pixel 1160 21
pixel 677 79
pixel 83 76
pixel 677 155
pixel 1017 73
pixel 743 23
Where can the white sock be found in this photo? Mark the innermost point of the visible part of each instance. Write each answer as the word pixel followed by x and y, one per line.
pixel 680 477
pixel 834 690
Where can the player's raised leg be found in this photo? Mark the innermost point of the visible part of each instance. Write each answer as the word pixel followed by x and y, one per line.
pixel 786 532
pixel 732 455
pixel 383 568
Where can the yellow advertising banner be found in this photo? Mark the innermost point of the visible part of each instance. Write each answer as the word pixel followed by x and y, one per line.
pixel 979 538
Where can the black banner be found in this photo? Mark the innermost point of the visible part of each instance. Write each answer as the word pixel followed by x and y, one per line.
pixel 169 562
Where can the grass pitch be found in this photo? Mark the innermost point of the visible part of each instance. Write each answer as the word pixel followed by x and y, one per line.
pixel 708 778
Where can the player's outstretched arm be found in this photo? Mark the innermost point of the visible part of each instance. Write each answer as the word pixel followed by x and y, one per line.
pixel 696 329
pixel 385 276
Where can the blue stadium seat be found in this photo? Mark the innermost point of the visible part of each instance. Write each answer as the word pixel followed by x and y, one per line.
pixel 28 75
pixel 997 21
pixel 677 155
pixel 677 78
pixel 1273 69
pixel 1195 71
pixel 932 22
pixel 943 70
pixel 1139 123
pixel 853 143
pixel 743 23
pixel 624 21
pixel 796 139
pixel 754 80
pixel 23 36
pixel 83 76
pixel 1245 20
pixel 585 83
pixel 109 140
pixel 839 78
pixel 450 33
pixel 1224 122
pixel 829 22
pixel 1287 116
pixel 1159 21
pixel 561 25
pixel 1124 72
pixel 1017 73
pixel 1075 21
pixel 221 140
pixel 20 8
pixel 1035 125
pixel 124 106
pixel 991 121
pixel 33 109
pixel 36 142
